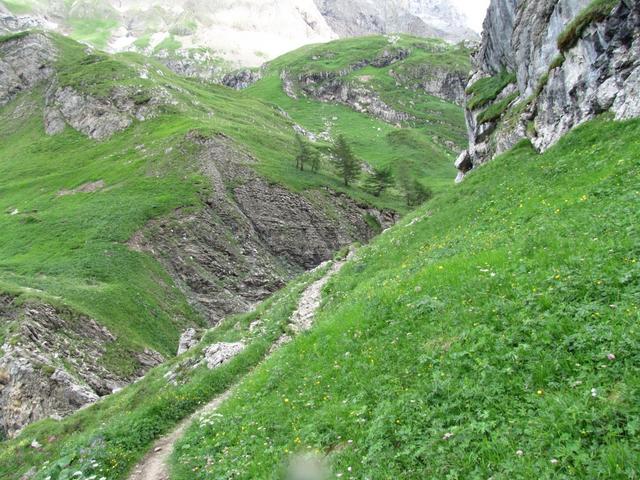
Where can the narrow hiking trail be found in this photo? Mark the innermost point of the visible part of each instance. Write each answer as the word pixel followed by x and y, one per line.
pixel 155 465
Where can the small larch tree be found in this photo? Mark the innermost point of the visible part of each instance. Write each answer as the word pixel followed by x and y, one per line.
pixel 378 181
pixel 347 164
pixel 415 193
pixel 307 155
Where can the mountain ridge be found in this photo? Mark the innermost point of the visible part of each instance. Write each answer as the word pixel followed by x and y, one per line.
pixel 224 35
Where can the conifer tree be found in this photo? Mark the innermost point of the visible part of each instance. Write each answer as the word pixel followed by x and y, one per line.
pixel 415 193
pixel 378 181
pixel 347 164
pixel 303 153
pixel 307 155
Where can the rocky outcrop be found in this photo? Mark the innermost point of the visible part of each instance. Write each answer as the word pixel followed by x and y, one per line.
pixel 397 68
pixel 335 87
pixel 441 82
pixel 100 118
pixel 25 62
pixel 552 90
pixel 252 236
pixel 28 60
pixel 357 95
pixel 188 340
pixel 10 23
pixel 600 73
pixel 192 68
pixel 200 63
pixel 52 363
pixel 220 353
pixel 242 79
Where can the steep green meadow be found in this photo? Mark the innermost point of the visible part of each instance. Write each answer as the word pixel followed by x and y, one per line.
pixel 494 334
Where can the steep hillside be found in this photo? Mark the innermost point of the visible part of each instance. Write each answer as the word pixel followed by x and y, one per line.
pixel 546 66
pixel 495 341
pixel 137 203
pixel 491 334
pixel 109 437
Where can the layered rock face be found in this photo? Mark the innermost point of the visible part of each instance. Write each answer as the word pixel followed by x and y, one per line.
pixel 253 236
pixel 53 363
pixel 545 67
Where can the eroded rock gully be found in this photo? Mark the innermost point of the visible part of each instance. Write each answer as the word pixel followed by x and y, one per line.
pixel 252 236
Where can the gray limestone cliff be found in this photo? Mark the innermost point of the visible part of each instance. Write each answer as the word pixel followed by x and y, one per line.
pixel 547 66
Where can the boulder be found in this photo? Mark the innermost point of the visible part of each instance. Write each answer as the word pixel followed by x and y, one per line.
pixel 220 353
pixel 188 340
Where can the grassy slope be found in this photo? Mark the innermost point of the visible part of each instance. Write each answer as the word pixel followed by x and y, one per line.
pixel 107 438
pixel 490 318
pixel 471 343
pixel 378 142
pixel 72 249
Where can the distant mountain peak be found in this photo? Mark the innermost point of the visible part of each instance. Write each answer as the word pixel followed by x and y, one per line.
pixel 426 18
pixel 242 33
